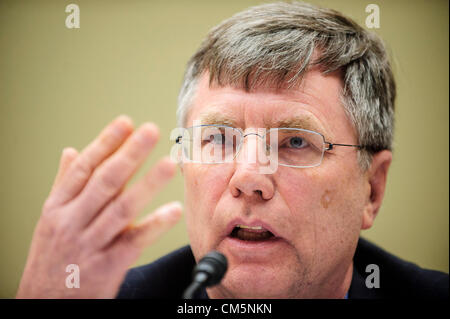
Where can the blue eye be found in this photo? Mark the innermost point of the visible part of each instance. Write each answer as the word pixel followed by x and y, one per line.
pixel 297 142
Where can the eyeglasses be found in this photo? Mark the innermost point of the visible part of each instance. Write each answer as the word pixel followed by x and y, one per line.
pixel 293 147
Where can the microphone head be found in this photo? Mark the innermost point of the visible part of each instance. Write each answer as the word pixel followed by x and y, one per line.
pixel 214 265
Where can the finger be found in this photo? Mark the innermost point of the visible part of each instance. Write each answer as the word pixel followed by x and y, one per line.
pixel 113 174
pixel 127 247
pixel 121 212
pixel 67 157
pixel 108 141
pixel 152 227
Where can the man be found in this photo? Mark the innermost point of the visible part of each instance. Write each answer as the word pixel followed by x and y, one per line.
pixel 304 83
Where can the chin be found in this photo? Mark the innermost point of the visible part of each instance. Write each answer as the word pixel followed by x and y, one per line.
pixel 252 281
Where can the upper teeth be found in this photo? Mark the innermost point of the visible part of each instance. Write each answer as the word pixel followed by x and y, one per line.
pixel 250 227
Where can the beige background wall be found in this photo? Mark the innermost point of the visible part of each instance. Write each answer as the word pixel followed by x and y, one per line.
pixel 59 87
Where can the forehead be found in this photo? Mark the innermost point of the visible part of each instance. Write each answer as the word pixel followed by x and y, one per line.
pixel 314 105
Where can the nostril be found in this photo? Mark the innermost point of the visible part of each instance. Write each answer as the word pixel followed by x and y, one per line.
pixel 248 183
pixel 235 192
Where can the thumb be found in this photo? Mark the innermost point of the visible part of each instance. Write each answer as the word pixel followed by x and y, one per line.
pixel 154 225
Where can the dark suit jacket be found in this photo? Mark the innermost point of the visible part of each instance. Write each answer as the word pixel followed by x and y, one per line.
pixel 168 276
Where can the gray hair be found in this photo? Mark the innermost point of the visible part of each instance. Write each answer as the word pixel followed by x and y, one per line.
pixel 276 44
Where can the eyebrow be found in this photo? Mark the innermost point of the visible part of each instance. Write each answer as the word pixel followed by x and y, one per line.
pixel 305 123
pixel 217 119
pixel 301 122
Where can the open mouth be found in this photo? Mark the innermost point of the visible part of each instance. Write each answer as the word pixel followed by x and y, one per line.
pixel 249 233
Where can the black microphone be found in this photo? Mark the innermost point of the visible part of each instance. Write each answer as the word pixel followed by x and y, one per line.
pixel 208 272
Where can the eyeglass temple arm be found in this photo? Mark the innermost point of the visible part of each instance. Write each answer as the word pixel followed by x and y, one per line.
pixel 330 146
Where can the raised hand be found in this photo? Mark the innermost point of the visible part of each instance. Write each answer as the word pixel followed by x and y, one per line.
pixel 88 217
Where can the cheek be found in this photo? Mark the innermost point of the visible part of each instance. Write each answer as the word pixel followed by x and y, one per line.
pixel 325 210
pixel 304 194
pixel 305 191
pixel 204 185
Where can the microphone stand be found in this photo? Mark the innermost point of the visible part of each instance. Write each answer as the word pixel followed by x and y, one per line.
pixel 208 272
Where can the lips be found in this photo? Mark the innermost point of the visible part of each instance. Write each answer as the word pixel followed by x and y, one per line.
pixel 250 231
pixel 250 234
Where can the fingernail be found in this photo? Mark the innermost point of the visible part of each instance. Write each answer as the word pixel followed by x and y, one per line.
pixel 175 206
pixel 124 118
pixel 167 168
pixel 151 127
pixel 122 124
pixel 67 150
pixel 173 210
pixel 148 134
pixel 169 159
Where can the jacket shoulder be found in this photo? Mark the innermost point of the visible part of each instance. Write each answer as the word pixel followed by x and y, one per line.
pixel 167 277
pixel 397 277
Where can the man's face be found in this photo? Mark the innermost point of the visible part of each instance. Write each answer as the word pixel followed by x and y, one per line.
pixel 314 213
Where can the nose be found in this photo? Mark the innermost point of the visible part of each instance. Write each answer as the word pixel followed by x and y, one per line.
pixel 247 179
pixel 251 183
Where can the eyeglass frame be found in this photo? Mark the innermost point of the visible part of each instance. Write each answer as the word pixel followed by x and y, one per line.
pixel 330 146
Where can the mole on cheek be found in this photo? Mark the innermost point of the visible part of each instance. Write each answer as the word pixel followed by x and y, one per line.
pixel 326 199
pixel 195 181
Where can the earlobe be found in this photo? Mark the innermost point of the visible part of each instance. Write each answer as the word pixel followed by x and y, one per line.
pixel 376 178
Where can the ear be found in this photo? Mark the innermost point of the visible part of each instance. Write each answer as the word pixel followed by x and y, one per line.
pixel 376 177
